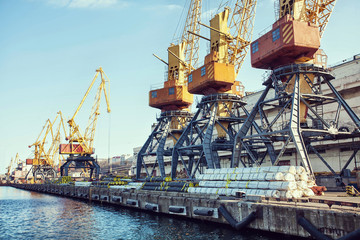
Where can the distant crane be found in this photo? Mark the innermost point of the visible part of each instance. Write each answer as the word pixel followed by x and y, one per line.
pixel 43 163
pixel 210 133
pixel 10 167
pixel 291 51
pixel 80 145
pixel 173 99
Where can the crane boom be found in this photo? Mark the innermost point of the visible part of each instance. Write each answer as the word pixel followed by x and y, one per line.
pixel 191 52
pixel 241 28
pixel 319 11
pixel 316 12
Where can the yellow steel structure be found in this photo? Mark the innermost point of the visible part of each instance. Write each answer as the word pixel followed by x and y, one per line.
pixel 10 167
pixel 191 41
pixel 181 59
pixel 79 143
pixel 43 156
pixel 315 12
pixel 230 36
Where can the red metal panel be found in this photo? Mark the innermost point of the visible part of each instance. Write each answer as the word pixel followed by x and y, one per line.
pixel 29 161
pixel 70 149
pixel 297 41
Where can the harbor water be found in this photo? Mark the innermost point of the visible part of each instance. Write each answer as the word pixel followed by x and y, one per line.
pixel 31 215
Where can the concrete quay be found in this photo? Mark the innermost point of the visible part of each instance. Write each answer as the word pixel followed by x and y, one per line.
pixel 325 217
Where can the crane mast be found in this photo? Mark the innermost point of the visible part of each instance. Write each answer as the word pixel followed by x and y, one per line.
pixel 80 145
pixel 173 99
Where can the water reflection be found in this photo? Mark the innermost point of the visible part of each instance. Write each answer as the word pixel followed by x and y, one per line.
pixel 26 215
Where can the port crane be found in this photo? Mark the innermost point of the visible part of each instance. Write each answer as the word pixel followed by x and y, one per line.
pixel 210 134
pixel 173 99
pixel 45 155
pixel 80 144
pixel 10 167
pixel 294 91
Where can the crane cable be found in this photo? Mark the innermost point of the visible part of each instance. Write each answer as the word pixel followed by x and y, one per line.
pixel 109 141
pixel 179 28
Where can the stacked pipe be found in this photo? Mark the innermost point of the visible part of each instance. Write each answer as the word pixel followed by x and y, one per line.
pixel 167 186
pixel 64 180
pixel 272 181
pixel 130 185
pixel 110 181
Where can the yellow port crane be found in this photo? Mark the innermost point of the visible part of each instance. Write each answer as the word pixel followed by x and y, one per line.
pixel 10 167
pixel 173 99
pixel 210 133
pixel 45 153
pixel 80 145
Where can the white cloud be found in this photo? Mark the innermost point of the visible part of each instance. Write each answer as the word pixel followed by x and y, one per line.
pixel 160 8
pixel 92 3
pixel 87 3
pixel 207 15
pixel 172 7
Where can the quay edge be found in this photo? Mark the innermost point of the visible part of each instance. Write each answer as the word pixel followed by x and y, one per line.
pixel 271 216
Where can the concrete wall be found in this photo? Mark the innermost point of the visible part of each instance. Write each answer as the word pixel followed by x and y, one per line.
pixel 277 217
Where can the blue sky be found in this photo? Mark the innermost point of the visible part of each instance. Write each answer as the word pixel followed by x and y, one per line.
pixel 50 50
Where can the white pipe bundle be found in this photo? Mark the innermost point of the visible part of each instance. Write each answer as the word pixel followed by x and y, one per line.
pixel 274 181
pixel 261 177
pixel 263 185
pixel 209 171
pixel 311 184
pixel 289 177
pixel 297 193
pixel 233 176
pixel 304 176
pixel 223 170
pixel 285 194
pixel 279 176
pixel 83 184
pixel 308 192
pixel 253 185
pixel 245 176
pixel 217 171
pixel 302 185
pixel 283 185
pixel 272 193
pixel 254 176
pixel 300 169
